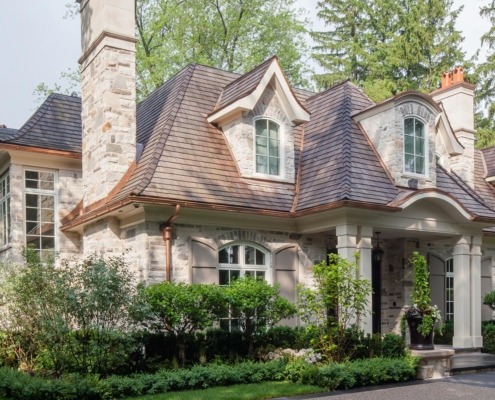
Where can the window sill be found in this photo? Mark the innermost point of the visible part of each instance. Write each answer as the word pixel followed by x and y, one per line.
pixel 410 175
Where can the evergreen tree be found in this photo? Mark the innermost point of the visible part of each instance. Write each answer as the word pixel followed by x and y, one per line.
pixel 388 46
pixel 485 72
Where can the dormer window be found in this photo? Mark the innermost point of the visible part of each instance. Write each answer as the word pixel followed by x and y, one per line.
pixel 267 147
pixel 414 146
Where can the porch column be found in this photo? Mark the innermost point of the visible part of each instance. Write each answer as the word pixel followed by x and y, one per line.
pixel 346 241
pixel 476 292
pixel 365 247
pixel 462 296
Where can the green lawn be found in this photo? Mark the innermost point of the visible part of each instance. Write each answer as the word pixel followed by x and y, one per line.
pixel 257 391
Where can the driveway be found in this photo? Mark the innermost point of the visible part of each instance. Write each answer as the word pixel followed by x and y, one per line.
pixel 479 386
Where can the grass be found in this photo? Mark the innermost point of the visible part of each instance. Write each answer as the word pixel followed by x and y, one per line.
pixel 255 391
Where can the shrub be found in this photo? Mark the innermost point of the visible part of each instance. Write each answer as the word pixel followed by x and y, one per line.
pixel 489 337
pixel 393 346
pixel 445 335
pixel 489 300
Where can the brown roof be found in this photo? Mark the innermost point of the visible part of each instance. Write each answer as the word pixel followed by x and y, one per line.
pixel 338 161
pixel 56 125
pixel 489 156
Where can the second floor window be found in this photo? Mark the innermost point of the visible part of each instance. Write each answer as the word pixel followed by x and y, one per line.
pixel 267 151
pixel 414 146
pixel 5 231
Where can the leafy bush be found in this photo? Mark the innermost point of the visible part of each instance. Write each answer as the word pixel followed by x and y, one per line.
pixel 489 337
pixel 393 346
pixel 75 317
pixel 445 335
pixel 362 373
pixel 489 300
pixel 258 306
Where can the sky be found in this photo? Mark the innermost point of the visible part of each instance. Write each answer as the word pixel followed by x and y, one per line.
pixel 37 44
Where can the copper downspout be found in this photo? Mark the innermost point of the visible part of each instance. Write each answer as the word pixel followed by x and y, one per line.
pixel 166 229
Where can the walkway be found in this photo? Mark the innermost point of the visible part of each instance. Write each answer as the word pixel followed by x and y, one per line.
pixel 466 386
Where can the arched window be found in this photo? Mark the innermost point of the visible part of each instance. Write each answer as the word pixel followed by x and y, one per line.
pixel 415 150
pixel 267 149
pixel 240 260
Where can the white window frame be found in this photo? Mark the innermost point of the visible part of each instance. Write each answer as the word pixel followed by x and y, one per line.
pixel 5 218
pixel 449 289
pixel 242 268
pixel 426 147
pixel 281 132
pixel 54 193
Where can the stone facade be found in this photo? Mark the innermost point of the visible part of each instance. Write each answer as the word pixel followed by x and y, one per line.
pixel 240 136
pixel 386 131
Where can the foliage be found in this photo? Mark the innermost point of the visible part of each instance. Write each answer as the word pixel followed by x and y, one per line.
pixel 421 296
pixel 181 309
pixel 17 385
pixel 393 346
pixel 74 317
pixel 257 305
pixel 444 334
pixel 359 373
pixel 338 300
pixel 489 300
pixel 488 331
pixel 69 83
pixel 233 35
pixel 387 46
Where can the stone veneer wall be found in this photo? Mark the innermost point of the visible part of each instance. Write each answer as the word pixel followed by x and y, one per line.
pixel 68 196
pixel 240 135
pixel 108 120
pixel 386 131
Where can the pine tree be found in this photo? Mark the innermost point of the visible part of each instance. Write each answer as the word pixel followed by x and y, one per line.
pixel 388 46
pixel 485 72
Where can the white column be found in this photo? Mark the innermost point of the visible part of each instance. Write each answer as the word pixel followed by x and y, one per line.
pixel 346 241
pixel 365 265
pixel 475 292
pixel 462 296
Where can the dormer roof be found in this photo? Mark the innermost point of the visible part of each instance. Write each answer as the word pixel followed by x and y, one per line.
pixel 243 94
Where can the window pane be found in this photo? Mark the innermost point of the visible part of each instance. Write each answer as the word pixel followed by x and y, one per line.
pixel 409 163
pixel 420 165
pixel 274 147
pixel 261 164
pixel 32 228
pixel 409 126
pixel 223 277
pixel 249 254
pixel 229 255
pixel 273 166
pixel 260 257
pixel 48 243
pixel 47 201
pixel 234 275
pixel 273 130
pixel 260 275
pixel 409 144
pixel 31 175
pixel 48 229
pixel 261 129
pixel 31 200
pixel 33 242
pixel 250 274
pixel 31 214
pixel 420 147
pixel 261 146
pixel 47 216
pixel 419 128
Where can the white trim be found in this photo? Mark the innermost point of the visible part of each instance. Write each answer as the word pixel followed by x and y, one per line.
pixel 296 113
pixel 439 196
pixel 281 150
pixel 54 192
pixel 426 144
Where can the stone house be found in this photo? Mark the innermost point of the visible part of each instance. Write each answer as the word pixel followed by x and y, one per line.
pixel 217 175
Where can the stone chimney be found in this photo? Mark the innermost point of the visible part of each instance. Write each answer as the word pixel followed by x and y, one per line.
pixel 108 94
pixel 456 97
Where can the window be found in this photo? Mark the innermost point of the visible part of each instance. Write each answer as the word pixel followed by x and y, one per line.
pixel 39 203
pixel 239 260
pixel 267 147
pixel 5 231
pixel 449 289
pixel 414 146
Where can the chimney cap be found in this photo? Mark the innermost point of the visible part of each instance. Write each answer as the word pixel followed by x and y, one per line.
pixel 452 77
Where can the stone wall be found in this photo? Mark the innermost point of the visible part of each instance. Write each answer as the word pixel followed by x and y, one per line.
pixel 386 131
pixel 240 135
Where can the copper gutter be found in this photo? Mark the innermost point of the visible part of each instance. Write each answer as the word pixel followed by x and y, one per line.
pixel 166 229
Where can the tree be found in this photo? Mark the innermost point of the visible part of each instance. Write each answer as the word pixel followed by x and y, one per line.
pixel 257 305
pixel 485 73
pixel 388 46
pixel 334 305
pixel 233 35
pixel 180 309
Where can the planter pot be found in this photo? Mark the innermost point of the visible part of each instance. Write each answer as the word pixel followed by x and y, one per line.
pixel 418 341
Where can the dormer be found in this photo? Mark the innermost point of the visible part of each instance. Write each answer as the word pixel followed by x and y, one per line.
pixel 257 114
pixel 403 130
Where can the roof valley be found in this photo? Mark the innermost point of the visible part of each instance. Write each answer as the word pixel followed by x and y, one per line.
pixel 345 165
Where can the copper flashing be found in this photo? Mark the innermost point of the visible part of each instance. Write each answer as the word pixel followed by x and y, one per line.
pixel 41 150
